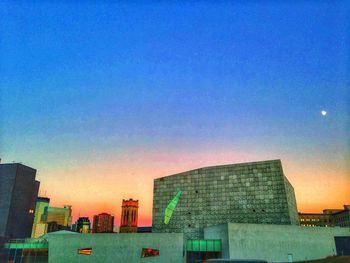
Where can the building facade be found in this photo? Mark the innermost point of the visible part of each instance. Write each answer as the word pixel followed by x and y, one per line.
pixel 103 223
pixel 39 225
pixel 58 218
pixel 129 216
pixel 18 194
pixel 342 218
pixel 329 218
pixel 256 192
pixel 316 219
pixel 83 225
pixel 112 248
pixel 280 243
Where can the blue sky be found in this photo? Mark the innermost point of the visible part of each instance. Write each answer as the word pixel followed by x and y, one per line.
pixel 87 81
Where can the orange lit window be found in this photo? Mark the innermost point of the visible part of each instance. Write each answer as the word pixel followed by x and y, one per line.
pixel 149 252
pixel 85 251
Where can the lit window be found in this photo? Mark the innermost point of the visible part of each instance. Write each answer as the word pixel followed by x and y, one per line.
pixel 31 211
pixel 85 251
pixel 149 252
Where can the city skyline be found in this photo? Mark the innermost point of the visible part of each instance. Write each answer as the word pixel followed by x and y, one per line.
pixel 102 99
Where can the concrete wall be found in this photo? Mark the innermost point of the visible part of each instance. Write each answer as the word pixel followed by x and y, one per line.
pixel 243 193
pixel 114 248
pixel 274 242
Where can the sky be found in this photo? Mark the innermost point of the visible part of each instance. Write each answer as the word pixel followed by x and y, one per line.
pixel 102 97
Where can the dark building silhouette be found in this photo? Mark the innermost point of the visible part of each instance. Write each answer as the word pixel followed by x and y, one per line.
pixel 128 221
pixel 103 223
pixel 18 194
pixel 83 225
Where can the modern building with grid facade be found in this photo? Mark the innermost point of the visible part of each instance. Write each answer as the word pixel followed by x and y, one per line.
pixel 256 192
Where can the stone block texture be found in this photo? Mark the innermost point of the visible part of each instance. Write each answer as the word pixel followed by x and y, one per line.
pixel 256 192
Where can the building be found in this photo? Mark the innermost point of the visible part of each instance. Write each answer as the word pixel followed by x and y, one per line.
pixel 31 250
pixel 342 218
pixel 316 219
pixel 58 218
pixel 103 223
pixel 18 194
pixel 39 225
pixel 256 192
pixel 272 243
pixel 329 218
pixel 51 219
pixel 111 248
pixel 279 243
pixel 83 225
pixel 129 216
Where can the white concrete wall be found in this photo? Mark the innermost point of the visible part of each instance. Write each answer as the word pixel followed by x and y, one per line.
pixel 274 242
pixel 123 248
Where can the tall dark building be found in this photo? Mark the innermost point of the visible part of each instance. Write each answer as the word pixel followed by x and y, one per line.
pixel 18 194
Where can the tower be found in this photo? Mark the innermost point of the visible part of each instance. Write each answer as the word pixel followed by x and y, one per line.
pixel 128 221
pixel 18 194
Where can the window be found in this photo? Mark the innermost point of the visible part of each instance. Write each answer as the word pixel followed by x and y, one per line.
pixel 85 251
pixel 149 252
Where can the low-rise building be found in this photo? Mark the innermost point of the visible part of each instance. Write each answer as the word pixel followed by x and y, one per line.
pixel 329 218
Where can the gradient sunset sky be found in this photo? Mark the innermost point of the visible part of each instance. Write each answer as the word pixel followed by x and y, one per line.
pixel 102 97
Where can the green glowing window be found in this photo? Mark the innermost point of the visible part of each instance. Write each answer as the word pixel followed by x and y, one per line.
pixel 171 207
pixel 210 245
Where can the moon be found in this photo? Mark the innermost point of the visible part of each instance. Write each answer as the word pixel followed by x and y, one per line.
pixel 324 113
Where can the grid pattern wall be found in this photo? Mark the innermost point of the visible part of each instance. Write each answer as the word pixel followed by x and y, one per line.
pixel 239 193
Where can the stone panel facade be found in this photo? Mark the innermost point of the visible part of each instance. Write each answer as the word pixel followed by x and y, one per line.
pixel 256 192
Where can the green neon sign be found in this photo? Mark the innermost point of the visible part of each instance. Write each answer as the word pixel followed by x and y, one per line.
pixel 171 207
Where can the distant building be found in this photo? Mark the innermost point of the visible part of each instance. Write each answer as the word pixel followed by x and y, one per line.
pixel 103 223
pixel 129 216
pixel 256 192
pixel 58 218
pixel 83 225
pixel 315 219
pixel 18 194
pixel 329 218
pixel 60 215
pixel 342 218
pixel 39 225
